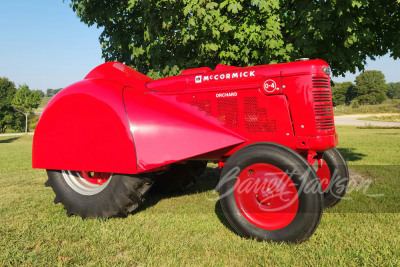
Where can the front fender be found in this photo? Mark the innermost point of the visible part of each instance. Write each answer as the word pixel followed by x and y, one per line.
pixel 85 128
pixel 166 130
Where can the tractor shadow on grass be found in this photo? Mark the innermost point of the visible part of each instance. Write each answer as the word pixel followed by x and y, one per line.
pixel 349 154
pixel 221 216
pixel 9 140
pixel 207 181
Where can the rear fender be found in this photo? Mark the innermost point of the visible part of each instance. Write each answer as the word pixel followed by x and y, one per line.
pixel 85 128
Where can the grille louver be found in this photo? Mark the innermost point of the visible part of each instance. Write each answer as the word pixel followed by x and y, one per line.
pixel 322 104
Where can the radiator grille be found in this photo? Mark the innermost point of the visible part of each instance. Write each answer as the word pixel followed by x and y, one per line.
pixel 322 104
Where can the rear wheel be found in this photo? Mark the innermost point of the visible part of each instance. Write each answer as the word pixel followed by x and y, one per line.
pixel 334 175
pixel 94 194
pixel 269 192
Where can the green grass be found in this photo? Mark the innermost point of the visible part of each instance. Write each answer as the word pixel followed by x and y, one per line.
pixel 388 106
pixel 8 131
pixel 369 126
pixel 189 229
pixel 392 118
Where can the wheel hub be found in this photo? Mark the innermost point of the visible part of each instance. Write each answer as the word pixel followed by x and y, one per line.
pixel 266 196
pixel 323 172
pixel 87 183
pixel 95 177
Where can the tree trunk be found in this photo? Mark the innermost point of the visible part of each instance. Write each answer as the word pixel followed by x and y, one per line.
pixel 26 122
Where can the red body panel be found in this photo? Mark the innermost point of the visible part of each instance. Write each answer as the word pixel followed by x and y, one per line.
pixel 295 112
pixel 118 120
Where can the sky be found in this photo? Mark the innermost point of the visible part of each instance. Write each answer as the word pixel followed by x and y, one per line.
pixel 44 45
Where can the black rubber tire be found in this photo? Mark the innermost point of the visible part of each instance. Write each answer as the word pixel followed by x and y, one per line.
pixel 339 177
pixel 310 207
pixel 122 195
pixel 179 177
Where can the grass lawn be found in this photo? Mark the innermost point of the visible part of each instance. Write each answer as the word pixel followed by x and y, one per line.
pixel 190 229
pixel 392 118
pixel 388 106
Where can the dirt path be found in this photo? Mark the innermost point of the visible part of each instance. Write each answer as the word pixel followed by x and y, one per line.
pixel 354 120
pixel 15 134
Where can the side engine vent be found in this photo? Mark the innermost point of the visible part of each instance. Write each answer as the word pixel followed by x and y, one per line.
pixel 203 105
pixel 322 104
pixel 228 111
pixel 255 118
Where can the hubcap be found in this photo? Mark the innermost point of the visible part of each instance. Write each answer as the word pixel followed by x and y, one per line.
pixel 87 183
pixel 266 196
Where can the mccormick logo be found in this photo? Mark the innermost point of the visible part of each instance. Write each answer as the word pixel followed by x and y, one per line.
pixel 224 76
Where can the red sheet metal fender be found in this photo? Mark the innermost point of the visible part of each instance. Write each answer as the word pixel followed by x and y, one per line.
pixel 110 122
pixel 166 131
pixel 84 127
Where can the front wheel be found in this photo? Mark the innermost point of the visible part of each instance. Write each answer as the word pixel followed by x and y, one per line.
pixel 94 194
pixel 334 175
pixel 269 192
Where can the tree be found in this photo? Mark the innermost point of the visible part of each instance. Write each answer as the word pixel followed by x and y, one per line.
pixel 393 90
pixel 340 93
pixel 162 37
pixel 52 92
pixel 350 95
pixel 24 101
pixel 7 91
pixel 370 87
pixel 40 92
pixel 49 92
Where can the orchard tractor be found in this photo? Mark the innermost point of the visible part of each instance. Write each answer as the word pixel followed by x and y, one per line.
pixel 106 140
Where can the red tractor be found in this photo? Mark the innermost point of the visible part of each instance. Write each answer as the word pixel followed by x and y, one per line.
pixel 108 138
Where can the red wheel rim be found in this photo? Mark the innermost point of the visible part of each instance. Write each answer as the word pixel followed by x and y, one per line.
pixel 324 174
pixel 266 196
pixel 98 178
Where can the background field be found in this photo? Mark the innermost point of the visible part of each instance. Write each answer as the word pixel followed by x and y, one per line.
pixel 392 118
pixel 388 106
pixel 190 228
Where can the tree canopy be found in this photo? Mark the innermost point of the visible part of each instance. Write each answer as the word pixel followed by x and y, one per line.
pixel 340 93
pixel 370 87
pixel 52 92
pixel 161 37
pixel 393 91
pixel 25 100
pixel 7 92
pixel 15 103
